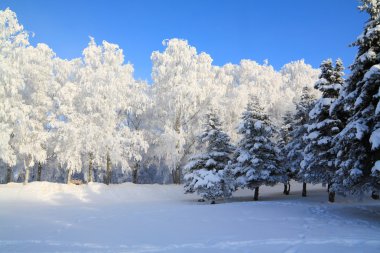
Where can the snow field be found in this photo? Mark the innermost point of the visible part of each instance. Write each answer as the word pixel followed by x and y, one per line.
pixel 49 217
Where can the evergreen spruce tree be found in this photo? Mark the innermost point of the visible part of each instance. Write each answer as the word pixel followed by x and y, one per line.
pixel 318 163
pixel 257 159
pixel 294 150
pixel 284 140
pixel 358 144
pixel 208 173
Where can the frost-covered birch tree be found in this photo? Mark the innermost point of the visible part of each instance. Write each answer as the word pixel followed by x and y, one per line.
pixel 181 83
pixel 13 39
pixel 27 89
pixel 94 105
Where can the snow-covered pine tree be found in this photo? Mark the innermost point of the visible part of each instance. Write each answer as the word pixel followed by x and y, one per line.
pixel 358 144
pixel 229 183
pixel 204 172
pixel 257 159
pixel 294 149
pixel 284 139
pixel 318 162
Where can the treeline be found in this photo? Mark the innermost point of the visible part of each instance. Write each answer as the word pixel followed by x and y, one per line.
pixel 90 119
pixel 333 140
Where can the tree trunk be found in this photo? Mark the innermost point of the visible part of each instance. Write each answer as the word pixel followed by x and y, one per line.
pixel 89 176
pixel 285 188
pixel 375 195
pixel 9 174
pixel 256 195
pixel 27 172
pixel 328 187
pixel 288 191
pixel 176 174
pixel 69 175
pixel 39 172
pixel 303 189
pixel 331 196
pixel 108 172
pixel 134 175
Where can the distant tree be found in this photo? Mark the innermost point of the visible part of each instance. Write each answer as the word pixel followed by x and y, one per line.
pixel 206 172
pixel 318 165
pixel 358 143
pixel 275 90
pixel 256 158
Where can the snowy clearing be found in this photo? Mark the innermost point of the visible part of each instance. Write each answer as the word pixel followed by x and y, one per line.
pixel 49 217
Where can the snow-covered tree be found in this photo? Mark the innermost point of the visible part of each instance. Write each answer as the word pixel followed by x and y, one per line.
pixel 318 163
pixel 256 158
pixel 294 150
pixel 137 118
pixel 26 95
pixel 13 39
pixel 85 116
pixel 208 173
pixel 283 140
pixel 94 104
pixel 358 144
pixel 296 76
pixel 40 88
pixel 181 81
pixel 276 90
pixel 66 143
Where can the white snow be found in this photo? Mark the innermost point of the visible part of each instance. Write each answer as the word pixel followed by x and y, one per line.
pixel 48 217
pixel 375 69
pixel 375 139
pixel 376 168
pixel 356 172
pixel 258 124
pixel 358 101
pixel 372 31
pixel 324 140
pixel 361 129
pixel 206 178
pixel 210 162
pixel 369 55
pixel 377 111
pixel 313 135
pixel 244 156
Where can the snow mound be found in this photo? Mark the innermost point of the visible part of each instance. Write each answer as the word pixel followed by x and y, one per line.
pixel 56 193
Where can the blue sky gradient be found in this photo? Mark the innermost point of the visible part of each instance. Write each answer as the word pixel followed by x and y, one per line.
pixel 278 30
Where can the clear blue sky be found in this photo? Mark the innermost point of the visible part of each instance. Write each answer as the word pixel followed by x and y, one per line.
pixel 278 30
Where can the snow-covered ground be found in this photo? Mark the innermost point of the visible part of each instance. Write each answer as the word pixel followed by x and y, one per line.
pixel 49 217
